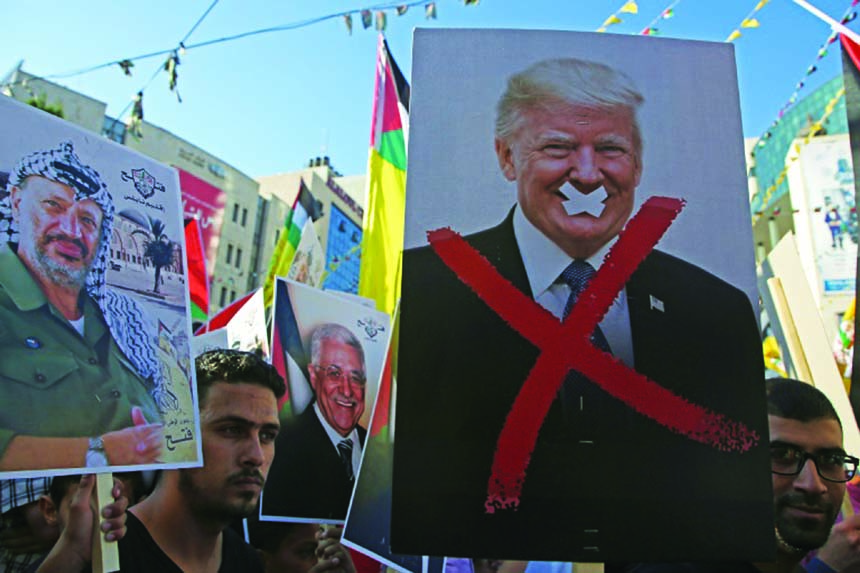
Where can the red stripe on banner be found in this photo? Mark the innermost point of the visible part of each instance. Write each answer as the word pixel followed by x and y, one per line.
pixel 383 402
pixel 556 341
pixel 852 49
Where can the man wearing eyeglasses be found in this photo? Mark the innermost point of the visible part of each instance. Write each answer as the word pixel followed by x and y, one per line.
pixel 809 469
pixel 319 452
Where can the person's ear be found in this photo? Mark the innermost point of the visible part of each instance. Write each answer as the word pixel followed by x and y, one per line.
pixel 49 510
pixel 313 377
pixel 15 200
pixel 505 155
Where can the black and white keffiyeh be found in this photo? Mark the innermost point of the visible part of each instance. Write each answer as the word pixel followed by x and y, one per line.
pixel 124 316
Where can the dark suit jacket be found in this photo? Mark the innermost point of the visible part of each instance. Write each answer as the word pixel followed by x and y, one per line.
pixel 307 478
pixel 610 484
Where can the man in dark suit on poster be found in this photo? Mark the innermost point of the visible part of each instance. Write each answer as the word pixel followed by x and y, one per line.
pixel 612 483
pixel 319 452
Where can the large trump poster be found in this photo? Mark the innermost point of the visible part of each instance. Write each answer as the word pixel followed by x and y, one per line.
pixel 95 369
pixel 579 348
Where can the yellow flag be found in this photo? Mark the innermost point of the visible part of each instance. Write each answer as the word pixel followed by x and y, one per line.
pixel 750 23
pixel 612 20
pixel 630 8
pixel 733 36
pixel 760 5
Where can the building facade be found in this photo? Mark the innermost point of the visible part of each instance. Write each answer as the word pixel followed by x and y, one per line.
pixel 804 184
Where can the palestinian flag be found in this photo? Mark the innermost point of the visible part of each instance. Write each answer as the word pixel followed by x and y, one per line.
pixel 221 319
pixel 198 282
pixel 287 349
pixel 305 208
pixel 382 242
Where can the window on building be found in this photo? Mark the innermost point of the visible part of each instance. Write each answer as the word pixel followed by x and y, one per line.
pixel 235 212
pixel 277 235
pixel 223 299
pixel 238 258
pixel 244 217
pixel 342 254
pixel 229 253
pixel 113 129
pixel 232 295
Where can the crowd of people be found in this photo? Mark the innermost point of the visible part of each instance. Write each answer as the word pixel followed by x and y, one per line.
pixel 185 519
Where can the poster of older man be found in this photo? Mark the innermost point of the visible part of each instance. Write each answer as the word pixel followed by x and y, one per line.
pixel 580 374
pixel 332 351
pixel 94 355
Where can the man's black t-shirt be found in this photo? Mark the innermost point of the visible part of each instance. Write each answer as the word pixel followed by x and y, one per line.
pixel 138 552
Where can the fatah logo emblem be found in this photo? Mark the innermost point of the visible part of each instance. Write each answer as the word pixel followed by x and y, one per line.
pixel 145 183
pixel 371 327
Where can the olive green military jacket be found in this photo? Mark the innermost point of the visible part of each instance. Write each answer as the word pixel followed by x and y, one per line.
pixel 53 382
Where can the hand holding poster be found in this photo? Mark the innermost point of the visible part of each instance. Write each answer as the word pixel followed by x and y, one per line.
pixel 94 353
pixel 550 363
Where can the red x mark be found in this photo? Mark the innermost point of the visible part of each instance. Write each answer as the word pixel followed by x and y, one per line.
pixel 557 340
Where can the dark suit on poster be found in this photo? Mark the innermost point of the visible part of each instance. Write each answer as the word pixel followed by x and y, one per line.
pixel 608 485
pixel 307 479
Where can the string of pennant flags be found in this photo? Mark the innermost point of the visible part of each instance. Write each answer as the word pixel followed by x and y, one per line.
pixel 369 14
pixel 814 129
pixel 749 21
pixel 665 14
pixel 630 7
pixel 848 16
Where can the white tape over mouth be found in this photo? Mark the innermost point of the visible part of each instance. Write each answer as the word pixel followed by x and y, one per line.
pixel 581 203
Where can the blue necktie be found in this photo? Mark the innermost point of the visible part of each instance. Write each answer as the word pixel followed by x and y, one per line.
pixel 576 276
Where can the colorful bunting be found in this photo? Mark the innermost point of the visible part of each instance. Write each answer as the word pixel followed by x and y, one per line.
pixel 630 8
pixel 347 19
pixel 813 130
pixel 748 22
pixel 382 242
pixel 665 14
pixel 381 21
pixel 136 120
pixel 126 66
pixel 366 18
pixel 173 76
pixel 430 11
pixel 401 10
pixel 822 52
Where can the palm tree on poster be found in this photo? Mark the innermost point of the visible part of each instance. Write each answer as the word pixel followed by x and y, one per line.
pixel 158 248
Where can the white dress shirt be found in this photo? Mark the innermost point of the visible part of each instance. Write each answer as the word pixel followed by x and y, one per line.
pixel 336 439
pixel 544 261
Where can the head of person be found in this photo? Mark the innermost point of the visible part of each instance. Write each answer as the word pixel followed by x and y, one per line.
pixel 808 464
pixel 55 505
pixel 61 214
pixel 238 399
pixel 566 127
pixel 285 547
pixel 338 376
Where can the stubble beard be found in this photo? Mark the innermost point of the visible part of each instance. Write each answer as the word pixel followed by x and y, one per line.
pixel 211 504
pixel 54 271
pixel 793 537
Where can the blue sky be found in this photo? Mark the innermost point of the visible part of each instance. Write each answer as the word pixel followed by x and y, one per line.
pixel 267 103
